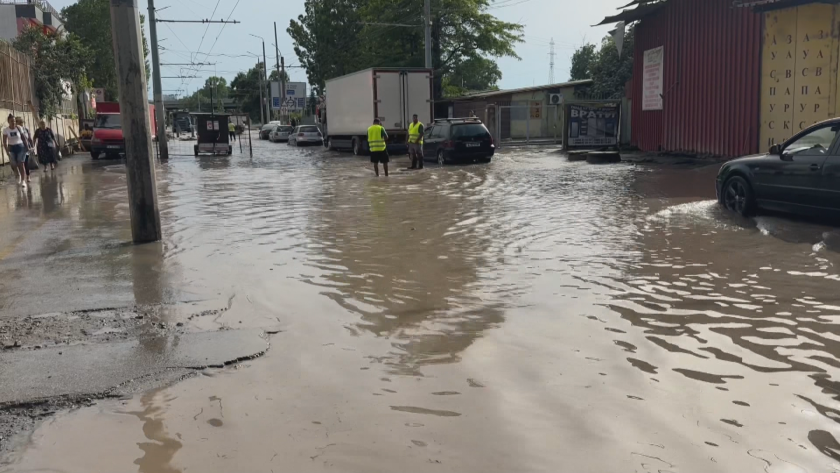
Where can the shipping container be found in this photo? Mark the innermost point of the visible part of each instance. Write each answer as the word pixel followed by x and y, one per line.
pixel 711 79
pixel 390 94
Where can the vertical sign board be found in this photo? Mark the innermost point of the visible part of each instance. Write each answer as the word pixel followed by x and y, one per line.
pixel 295 96
pixel 652 79
pixel 593 125
pixel 799 62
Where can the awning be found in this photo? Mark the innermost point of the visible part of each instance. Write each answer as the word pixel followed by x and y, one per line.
pixel 769 4
pixel 753 3
pixel 645 8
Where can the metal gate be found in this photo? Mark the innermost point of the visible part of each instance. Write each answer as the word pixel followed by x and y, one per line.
pixel 526 123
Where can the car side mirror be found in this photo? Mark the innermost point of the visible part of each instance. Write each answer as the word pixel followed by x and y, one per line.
pixel 776 150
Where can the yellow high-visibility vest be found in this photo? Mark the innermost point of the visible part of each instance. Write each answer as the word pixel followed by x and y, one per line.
pixel 375 141
pixel 414 135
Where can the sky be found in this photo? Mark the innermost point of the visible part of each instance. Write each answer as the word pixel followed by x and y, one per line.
pixel 231 47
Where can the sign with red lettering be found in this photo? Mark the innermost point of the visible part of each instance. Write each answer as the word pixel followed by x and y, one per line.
pixel 652 79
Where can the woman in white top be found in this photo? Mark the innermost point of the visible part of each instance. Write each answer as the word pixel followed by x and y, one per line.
pixel 15 145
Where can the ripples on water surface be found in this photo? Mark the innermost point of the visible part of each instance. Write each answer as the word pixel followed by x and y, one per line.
pixel 608 311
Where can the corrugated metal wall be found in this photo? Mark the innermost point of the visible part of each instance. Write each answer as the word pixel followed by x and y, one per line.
pixel 711 84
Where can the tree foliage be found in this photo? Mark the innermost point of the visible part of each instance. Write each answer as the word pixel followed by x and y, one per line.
pixel 337 37
pixel 245 88
pixel 608 70
pixel 90 20
pixel 56 61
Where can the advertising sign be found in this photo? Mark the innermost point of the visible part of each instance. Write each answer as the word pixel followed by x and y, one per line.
pixel 652 79
pixel 99 94
pixel 295 96
pixel 593 125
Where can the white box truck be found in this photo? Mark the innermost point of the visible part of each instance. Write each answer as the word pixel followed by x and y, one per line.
pixel 393 95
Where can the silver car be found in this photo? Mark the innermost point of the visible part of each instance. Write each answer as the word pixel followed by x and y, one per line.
pixel 280 133
pixel 306 135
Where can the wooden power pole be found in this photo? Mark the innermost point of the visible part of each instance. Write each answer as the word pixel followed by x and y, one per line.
pixel 134 109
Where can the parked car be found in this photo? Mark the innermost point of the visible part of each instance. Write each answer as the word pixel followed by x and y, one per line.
pixel 458 139
pixel 280 133
pixel 306 134
pixel 801 175
pixel 267 128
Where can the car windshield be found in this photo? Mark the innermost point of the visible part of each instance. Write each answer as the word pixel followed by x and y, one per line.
pixel 309 129
pixel 111 121
pixel 469 130
pixel 270 126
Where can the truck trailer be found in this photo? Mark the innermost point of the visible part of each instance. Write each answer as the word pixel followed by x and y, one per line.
pixel 393 95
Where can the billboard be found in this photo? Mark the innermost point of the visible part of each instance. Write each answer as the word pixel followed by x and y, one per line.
pixel 652 79
pixel 295 96
pixel 593 125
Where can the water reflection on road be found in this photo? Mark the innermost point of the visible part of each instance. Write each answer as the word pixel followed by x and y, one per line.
pixel 529 315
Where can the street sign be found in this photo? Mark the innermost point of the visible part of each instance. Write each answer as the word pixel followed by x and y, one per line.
pixel 295 96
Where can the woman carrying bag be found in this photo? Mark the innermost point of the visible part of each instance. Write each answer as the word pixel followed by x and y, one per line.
pixel 45 140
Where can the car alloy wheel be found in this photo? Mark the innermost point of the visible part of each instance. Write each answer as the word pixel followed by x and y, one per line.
pixel 440 158
pixel 737 196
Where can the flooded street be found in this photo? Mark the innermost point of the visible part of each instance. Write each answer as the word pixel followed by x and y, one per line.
pixel 527 315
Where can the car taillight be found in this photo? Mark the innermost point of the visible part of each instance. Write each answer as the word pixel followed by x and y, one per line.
pixel 449 144
pixel 300 135
pixel 491 140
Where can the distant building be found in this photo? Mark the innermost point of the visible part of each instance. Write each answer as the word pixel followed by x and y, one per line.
pixel 17 15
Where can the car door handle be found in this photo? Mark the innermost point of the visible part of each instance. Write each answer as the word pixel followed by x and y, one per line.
pixel 815 167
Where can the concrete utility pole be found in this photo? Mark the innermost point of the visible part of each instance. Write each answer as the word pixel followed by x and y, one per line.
pixel 262 110
pixel 267 86
pixel 160 110
pixel 134 108
pixel 427 7
pixel 279 69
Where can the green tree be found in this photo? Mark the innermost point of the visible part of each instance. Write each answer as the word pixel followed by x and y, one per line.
pixel 275 76
pixel 56 60
pixel 582 61
pixel 90 20
pixel 608 70
pixel 311 102
pixel 473 74
pixel 337 37
pixel 245 88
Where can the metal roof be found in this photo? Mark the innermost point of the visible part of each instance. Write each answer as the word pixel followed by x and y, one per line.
pixel 752 3
pixel 492 93
pixel 644 8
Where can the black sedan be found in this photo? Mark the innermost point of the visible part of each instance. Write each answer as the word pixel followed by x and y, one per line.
pixel 801 175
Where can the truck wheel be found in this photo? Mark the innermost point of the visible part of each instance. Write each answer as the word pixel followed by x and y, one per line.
pixel 357 147
pixel 195 150
pixel 328 144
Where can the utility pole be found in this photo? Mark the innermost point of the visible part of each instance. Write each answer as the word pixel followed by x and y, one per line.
pixel 279 70
pixel 262 110
pixel 427 7
pixel 551 62
pixel 160 111
pixel 134 108
pixel 267 86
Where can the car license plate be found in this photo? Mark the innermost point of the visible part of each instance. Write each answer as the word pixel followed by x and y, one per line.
pixel 473 145
pixel 113 147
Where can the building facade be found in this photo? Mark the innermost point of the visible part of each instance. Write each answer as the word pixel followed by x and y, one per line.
pixel 731 77
pixel 17 15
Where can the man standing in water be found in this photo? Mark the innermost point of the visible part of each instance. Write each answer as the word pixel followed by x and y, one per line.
pixel 231 132
pixel 415 143
pixel 378 148
pixel 15 146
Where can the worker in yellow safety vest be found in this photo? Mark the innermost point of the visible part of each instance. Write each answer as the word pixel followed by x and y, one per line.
pixel 378 148
pixel 415 143
pixel 231 131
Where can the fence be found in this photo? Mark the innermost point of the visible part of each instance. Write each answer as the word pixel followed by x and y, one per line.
pixel 525 123
pixel 15 80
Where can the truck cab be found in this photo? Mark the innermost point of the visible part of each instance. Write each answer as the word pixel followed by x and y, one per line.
pixel 108 139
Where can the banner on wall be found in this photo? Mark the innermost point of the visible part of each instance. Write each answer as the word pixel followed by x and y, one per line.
pixel 652 79
pixel 593 125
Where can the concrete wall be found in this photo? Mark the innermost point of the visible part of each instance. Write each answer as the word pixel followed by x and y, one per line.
pixel 8 22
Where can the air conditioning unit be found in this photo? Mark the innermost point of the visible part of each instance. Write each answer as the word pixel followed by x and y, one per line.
pixel 555 99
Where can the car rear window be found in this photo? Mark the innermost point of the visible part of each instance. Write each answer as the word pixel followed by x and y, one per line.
pixel 308 129
pixel 285 129
pixel 469 130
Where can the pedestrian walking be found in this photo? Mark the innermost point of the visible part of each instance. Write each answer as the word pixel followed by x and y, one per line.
pixel 30 146
pixel 45 145
pixel 231 132
pixel 415 143
pixel 15 147
pixel 378 149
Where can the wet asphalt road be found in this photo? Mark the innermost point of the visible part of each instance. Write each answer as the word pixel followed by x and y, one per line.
pixel 527 315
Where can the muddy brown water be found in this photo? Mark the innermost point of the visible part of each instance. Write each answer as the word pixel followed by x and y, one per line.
pixel 527 315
